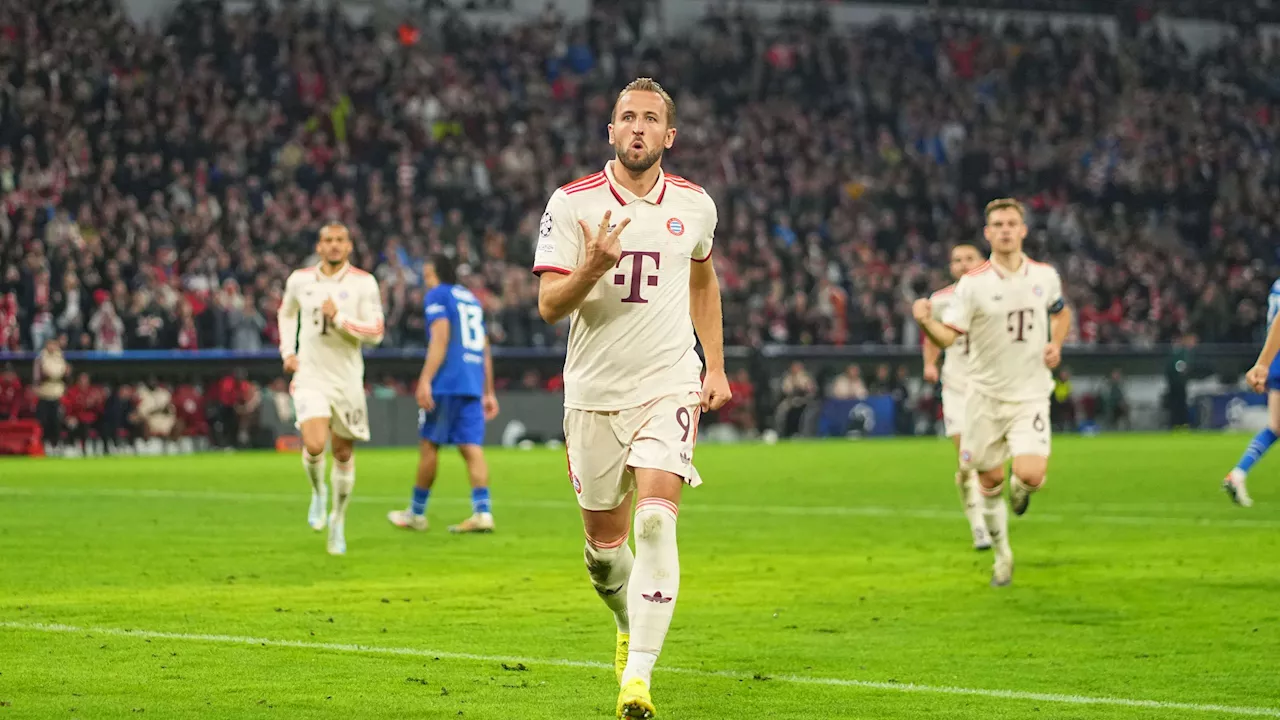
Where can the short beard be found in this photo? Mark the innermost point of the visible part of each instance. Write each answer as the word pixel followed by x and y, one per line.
pixel 637 166
pixel 335 263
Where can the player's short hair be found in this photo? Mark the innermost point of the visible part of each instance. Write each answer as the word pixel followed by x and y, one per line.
pixel 645 84
pixel 333 226
pixel 1005 204
pixel 445 269
pixel 970 246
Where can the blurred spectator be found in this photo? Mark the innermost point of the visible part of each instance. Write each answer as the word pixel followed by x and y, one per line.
pixel 1115 406
pixel 107 328
pixel 49 377
pixel 11 393
pixel 1178 372
pixel 156 415
pixel 119 430
pixel 882 383
pixel 83 404
pixel 849 385
pixel 197 175
pixel 798 392
pixel 740 411
pixel 903 411
pixel 1062 406
pixel 189 407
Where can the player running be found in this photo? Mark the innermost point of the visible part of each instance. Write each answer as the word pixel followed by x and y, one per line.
pixel 955 383
pixel 329 313
pixel 455 394
pixel 624 253
pixel 1264 376
pixel 1003 307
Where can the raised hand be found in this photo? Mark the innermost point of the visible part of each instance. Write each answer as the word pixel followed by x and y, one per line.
pixel 603 248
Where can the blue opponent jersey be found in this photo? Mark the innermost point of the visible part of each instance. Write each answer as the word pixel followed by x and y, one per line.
pixel 462 373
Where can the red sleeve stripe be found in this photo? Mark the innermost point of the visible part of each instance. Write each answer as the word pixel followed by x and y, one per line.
pixel 708 257
pixel 681 182
pixel 539 269
pixel 596 182
pixel 609 545
pixel 980 269
pixel 659 503
pixel 363 328
pixel 954 328
pixel 946 290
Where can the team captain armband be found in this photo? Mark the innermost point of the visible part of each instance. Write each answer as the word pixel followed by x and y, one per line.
pixel 1058 307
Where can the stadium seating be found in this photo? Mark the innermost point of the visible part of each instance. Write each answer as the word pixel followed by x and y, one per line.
pixel 159 194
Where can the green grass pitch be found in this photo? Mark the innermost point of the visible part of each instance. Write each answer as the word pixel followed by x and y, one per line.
pixel 819 580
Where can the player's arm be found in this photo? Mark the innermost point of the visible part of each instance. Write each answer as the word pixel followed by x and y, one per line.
pixel 930 352
pixel 367 327
pixel 1257 375
pixel 955 319
pixel 488 369
pixel 937 333
pixel 1060 315
pixel 708 322
pixel 287 321
pixel 565 281
pixel 437 350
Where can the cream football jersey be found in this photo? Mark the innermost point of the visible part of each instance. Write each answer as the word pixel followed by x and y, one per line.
pixel 632 339
pixel 329 352
pixel 955 360
pixel 1005 318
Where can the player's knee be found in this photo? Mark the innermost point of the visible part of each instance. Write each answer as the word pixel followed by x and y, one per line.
pixel 314 446
pixel 992 481
pixel 342 452
pixel 1030 473
pixel 602 557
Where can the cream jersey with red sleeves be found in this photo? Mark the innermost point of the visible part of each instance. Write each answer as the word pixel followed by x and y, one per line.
pixel 329 351
pixel 1005 317
pixel 632 339
pixel 955 359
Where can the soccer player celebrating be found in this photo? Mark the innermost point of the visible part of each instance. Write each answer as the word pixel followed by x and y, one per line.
pixel 329 313
pixel 955 383
pixel 1264 376
pixel 455 393
pixel 1012 311
pixel 624 253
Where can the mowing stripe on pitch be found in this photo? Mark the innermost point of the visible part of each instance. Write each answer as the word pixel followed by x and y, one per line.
pixel 947 515
pixel 1060 698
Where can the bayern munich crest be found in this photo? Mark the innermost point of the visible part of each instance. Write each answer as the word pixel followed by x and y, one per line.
pixel 1038 290
pixel 675 226
pixel 577 484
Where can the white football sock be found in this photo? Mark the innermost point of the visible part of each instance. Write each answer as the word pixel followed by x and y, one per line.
pixel 996 512
pixel 971 497
pixel 314 465
pixel 654 584
pixel 610 569
pixel 344 479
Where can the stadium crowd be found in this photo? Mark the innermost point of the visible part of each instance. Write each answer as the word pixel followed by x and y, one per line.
pixel 158 186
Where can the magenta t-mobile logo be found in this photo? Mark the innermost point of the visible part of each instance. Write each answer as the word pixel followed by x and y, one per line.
pixel 637 273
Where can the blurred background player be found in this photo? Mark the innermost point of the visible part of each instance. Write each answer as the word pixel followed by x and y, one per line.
pixel 1263 377
pixel 632 390
pixel 329 312
pixel 455 394
pixel 955 383
pixel 1003 307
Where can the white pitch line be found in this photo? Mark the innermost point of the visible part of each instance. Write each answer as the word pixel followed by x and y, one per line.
pixel 1060 698
pixel 783 510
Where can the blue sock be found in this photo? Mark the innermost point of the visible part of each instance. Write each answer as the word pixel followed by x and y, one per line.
pixel 419 504
pixel 480 500
pixel 1257 448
